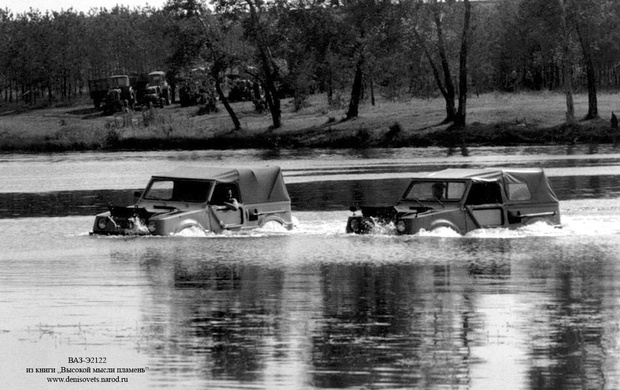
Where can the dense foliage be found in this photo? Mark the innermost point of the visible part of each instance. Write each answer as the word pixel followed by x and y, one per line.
pixel 350 49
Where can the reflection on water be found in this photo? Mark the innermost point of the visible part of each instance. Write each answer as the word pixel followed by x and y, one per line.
pixel 350 315
pixel 316 308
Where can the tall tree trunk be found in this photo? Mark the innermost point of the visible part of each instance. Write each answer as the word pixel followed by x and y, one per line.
pixel 590 74
pixel 462 111
pixel 271 93
pixel 215 75
pixel 445 65
pixel 356 90
pixel 372 93
pixel 224 99
pixel 566 71
pixel 269 70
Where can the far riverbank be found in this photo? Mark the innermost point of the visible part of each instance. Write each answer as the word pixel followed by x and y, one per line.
pixel 494 119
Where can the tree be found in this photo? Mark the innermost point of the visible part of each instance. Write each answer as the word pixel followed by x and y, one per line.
pixel 589 16
pixel 366 21
pixel 429 32
pixel 258 25
pixel 200 36
pixel 566 63
pixel 462 111
pixel 310 32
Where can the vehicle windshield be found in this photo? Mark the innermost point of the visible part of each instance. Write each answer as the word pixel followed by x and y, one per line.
pixel 178 190
pixel 436 190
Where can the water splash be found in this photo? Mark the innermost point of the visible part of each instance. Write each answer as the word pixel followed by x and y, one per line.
pixel 193 231
pixel 137 226
pixel 439 232
pixel 332 223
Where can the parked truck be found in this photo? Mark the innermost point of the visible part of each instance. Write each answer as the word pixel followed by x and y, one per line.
pixel 122 91
pixel 121 95
pixel 158 79
pixel 98 89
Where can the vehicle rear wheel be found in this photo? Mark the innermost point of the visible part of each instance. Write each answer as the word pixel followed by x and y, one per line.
pixel 273 225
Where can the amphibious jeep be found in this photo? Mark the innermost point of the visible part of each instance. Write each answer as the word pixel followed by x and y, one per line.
pixel 199 198
pixel 464 200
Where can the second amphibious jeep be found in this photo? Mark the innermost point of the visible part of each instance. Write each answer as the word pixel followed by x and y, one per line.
pixel 194 197
pixel 464 200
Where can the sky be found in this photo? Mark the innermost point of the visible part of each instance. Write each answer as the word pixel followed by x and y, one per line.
pixel 20 6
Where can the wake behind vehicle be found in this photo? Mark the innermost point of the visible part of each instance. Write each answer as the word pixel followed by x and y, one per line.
pixel 198 198
pixel 464 200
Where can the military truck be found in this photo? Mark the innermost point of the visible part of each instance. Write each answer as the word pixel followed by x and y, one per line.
pixel 158 79
pixel 121 95
pixel 98 89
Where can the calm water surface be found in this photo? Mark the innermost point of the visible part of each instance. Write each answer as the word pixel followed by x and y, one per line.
pixel 314 308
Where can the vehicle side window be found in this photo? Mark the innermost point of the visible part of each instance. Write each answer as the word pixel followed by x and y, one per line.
pixel 484 193
pixel 455 190
pixel 518 191
pixel 433 190
pixel 161 190
pixel 220 194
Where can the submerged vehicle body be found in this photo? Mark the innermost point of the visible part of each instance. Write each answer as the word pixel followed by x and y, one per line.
pixel 464 200
pixel 195 197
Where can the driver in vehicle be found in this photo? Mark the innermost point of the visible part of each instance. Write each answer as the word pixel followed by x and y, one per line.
pixel 438 190
pixel 230 203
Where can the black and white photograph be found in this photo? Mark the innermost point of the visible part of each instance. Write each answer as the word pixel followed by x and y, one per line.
pixel 310 194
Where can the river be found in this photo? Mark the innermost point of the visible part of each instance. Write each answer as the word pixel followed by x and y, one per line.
pixel 313 308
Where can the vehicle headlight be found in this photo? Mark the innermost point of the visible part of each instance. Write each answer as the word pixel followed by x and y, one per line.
pixel 102 223
pixel 401 225
pixel 152 226
pixel 355 224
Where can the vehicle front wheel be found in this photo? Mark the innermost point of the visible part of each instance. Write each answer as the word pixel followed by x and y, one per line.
pixel 361 225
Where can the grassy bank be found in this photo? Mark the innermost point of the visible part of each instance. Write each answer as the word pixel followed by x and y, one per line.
pixel 493 119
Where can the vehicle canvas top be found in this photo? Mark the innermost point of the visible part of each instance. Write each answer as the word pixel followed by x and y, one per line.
pixel 258 185
pixel 535 178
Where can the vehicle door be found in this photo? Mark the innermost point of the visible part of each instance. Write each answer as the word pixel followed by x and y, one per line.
pixel 484 204
pixel 228 217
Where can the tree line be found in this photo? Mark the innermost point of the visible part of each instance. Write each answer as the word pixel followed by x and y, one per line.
pixel 351 50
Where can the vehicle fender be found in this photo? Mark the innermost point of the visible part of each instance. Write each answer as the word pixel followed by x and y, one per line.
pixel 104 214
